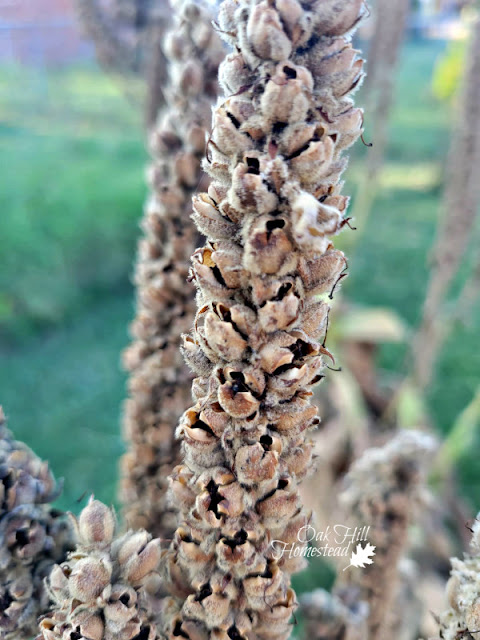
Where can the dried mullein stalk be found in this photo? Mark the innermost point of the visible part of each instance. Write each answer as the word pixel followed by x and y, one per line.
pixel 127 35
pixel 383 56
pixel 383 489
pixel 113 52
pixel 461 202
pixel 326 617
pixel 160 382
pixel 106 588
pixel 462 620
pixel 390 26
pixel 33 536
pixel 264 279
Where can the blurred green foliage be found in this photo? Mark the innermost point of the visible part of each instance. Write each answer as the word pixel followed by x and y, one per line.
pixel 71 196
pixel 447 74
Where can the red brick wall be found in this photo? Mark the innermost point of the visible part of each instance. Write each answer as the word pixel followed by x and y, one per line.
pixel 40 32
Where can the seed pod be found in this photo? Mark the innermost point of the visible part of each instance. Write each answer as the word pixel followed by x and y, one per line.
pixel 96 524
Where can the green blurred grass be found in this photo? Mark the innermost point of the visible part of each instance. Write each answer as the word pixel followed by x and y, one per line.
pixel 71 197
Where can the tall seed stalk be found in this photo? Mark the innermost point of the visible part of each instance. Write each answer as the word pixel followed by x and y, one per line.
pixel 383 56
pixel 460 206
pixel 160 382
pixel 127 36
pixel 264 279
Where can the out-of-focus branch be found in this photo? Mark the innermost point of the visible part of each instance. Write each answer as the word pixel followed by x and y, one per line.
pixel 385 46
pixel 128 36
pixel 461 199
pixel 113 53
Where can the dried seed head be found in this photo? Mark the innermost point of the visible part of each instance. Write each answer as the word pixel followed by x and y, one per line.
pixel 106 588
pixel 24 478
pixel 275 159
pixel 383 490
pixel 33 537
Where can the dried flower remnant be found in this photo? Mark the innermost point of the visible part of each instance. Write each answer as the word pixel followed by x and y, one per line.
pixel 263 278
pixel 160 382
pixel 383 488
pixel 33 536
pixel 462 619
pixel 106 588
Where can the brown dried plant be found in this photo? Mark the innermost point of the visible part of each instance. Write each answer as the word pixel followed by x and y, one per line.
pixel 384 489
pixel 33 536
pixel 383 55
pixel 326 617
pixel 460 204
pixel 160 381
pixel 106 588
pixel 264 280
pixel 462 620
pixel 127 35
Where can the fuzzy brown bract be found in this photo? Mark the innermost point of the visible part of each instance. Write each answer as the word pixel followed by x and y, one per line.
pixel 264 278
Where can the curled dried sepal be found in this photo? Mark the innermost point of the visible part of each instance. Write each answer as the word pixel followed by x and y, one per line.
pixel 107 587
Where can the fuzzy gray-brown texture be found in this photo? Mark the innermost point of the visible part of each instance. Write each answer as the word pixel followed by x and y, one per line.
pixel 33 536
pixel 264 278
pixel 383 488
pixel 462 620
pixel 106 588
pixel 160 381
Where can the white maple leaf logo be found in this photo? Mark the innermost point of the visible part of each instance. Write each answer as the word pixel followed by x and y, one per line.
pixel 362 556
